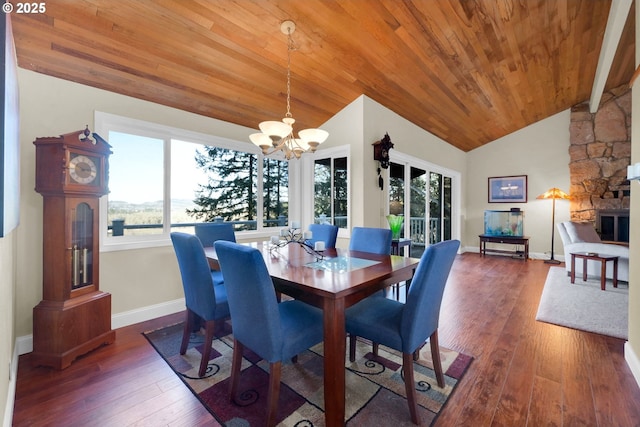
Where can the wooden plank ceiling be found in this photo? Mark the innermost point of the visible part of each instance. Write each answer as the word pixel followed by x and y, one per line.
pixel 468 71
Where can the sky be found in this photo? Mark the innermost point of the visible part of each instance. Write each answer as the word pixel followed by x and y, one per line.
pixel 136 170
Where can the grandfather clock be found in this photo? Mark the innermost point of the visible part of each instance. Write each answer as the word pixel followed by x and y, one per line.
pixel 74 316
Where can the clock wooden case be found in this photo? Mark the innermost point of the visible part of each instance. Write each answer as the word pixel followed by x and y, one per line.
pixel 74 316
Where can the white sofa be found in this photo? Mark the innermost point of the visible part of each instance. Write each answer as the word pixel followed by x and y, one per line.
pixel 582 237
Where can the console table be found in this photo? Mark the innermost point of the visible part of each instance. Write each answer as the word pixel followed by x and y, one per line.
pixel 508 240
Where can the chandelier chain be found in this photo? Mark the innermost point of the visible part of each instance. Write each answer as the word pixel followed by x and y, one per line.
pixel 290 47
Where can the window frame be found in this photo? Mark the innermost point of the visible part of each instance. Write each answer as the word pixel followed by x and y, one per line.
pixel 308 197
pixel 456 182
pixel 106 122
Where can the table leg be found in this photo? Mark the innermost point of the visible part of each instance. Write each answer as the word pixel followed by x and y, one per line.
pixel 615 272
pixel 573 268
pixel 334 360
pixel 584 269
pixel 603 273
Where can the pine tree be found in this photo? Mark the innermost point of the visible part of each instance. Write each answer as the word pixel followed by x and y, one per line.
pixel 230 190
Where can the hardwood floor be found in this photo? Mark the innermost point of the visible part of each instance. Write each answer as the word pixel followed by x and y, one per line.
pixel 524 372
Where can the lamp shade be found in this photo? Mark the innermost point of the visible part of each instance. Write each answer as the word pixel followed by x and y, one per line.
pixel 260 139
pixel 275 129
pixel 553 193
pixel 313 135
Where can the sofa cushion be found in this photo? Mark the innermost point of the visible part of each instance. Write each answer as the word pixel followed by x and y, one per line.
pixel 582 232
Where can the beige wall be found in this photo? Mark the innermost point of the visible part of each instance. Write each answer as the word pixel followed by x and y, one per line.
pixel 407 139
pixel 539 151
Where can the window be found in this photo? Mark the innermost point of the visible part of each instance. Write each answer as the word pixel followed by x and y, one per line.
pixel 164 179
pixel 331 189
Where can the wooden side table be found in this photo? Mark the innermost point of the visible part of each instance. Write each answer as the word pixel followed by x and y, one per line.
pixel 397 249
pixel 603 266
pixel 397 245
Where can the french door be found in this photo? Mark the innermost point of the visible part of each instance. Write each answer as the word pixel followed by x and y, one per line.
pixel 423 193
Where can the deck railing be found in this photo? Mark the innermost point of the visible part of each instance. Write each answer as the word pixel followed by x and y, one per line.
pixel 417 226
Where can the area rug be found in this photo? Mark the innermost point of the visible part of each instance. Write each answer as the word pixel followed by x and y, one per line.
pixel 583 305
pixel 375 393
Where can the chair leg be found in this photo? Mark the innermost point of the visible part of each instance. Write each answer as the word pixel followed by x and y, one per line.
pixel 210 330
pixel 410 386
pixel 375 348
pixel 275 370
pixel 435 356
pixel 186 333
pixel 352 348
pixel 236 363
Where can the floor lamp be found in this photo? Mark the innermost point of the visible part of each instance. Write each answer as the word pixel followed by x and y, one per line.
pixel 553 194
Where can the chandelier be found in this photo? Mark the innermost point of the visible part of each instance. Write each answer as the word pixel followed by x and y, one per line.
pixel 278 136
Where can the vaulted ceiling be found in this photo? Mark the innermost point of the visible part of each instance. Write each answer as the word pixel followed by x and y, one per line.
pixel 468 71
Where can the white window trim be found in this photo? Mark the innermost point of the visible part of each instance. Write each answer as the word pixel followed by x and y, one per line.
pixel 308 182
pixel 456 190
pixel 106 122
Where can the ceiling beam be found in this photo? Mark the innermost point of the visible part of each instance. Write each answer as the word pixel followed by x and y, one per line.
pixel 615 24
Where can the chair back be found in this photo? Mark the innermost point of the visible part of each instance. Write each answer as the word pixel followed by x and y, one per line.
pixel 422 309
pixel 196 275
pixel 373 240
pixel 209 232
pixel 326 233
pixel 252 299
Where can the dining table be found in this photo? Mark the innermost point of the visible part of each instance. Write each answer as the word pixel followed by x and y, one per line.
pixel 332 280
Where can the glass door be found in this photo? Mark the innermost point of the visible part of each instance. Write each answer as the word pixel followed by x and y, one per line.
pixel 439 207
pixel 426 203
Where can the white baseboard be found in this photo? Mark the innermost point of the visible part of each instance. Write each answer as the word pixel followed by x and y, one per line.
pixel 24 344
pixel 147 313
pixel 632 361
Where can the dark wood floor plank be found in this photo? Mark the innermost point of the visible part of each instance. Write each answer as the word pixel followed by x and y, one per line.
pixel 545 408
pixel 524 372
pixel 578 406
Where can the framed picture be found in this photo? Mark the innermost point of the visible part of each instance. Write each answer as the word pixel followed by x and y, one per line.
pixel 508 189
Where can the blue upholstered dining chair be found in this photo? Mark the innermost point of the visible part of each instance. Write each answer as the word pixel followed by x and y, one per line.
pixel 204 300
pixel 274 331
pixel 326 233
pixel 374 240
pixel 406 327
pixel 208 233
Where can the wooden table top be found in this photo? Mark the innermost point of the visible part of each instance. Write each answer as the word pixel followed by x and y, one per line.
pixel 290 264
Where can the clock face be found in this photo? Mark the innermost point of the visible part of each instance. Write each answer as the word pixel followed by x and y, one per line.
pixel 83 169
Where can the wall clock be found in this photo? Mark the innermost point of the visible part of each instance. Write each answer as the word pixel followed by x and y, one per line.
pixel 381 154
pixel 381 151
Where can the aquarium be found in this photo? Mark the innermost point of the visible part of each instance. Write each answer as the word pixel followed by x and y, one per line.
pixel 504 223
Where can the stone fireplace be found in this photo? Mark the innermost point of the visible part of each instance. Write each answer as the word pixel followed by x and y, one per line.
pixel 600 151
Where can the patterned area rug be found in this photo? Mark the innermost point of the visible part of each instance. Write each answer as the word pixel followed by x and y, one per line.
pixel 375 393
